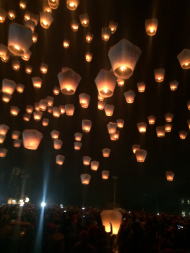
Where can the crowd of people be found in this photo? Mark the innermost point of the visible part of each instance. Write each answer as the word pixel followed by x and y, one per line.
pixel 75 230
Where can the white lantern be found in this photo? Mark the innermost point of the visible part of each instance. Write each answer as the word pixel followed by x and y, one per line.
pixel 3 15
pixel 141 155
pixel 6 98
pixel 169 117
pixel 32 138
pixel 174 85
pixel 37 82
pixel 120 82
pixel 29 109
pixel 78 136
pixel 84 100
pixel 72 4
pixel 46 20
pixel 56 91
pixel 69 109
pixel 115 136
pixel 151 120
pixel 53 4
pixel 135 147
pixel 120 123
pixel 74 25
pixel 26 117
pixel 109 110
pixel 89 37
pixel 84 20
pixel 14 111
pixel 86 125
pixel 88 57
pixel 105 34
pixel 57 144
pixel 106 152
pixel 111 220
pixel 85 178
pixel 28 69
pixel 56 112
pixel 94 165
pixel 101 105
pixel 60 159
pixel 45 122
pixel 182 135
pixel 86 160
pixel 170 176
pixel 142 127
pixel 151 26
pixel 66 43
pixel 37 115
pixel 77 145
pixel 16 65
pixel 129 96
pixel 44 68
pixel 17 143
pixel 20 88
pixel 112 127
pixel 159 75
pixel 105 174
pixel 184 58
pixel 2 138
pixel 8 86
pixel 4 129
pixel 168 128
pixel 113 26
pixel 55 134
pixel 160 131
pixel 141 87
pixel 3 152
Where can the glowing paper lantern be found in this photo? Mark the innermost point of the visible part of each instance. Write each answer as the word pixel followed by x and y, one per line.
pixel 60 159
pixel 57 144
pixel 85 178
pixel 120 82
pixel 4 129
pixel 113 26
pixel 46 20
pixel 123 57
pixel 86 125
pixel 66 43
pixel 2 138
pixel 188 123
pixel 142 127
pixel 29 109
pixel 141 155
pixel 184 58
pixel 26 56
pixel 45 122
pixel 89 37
pixel 169 117
pixel 3 15
pixel 78 136
pixel 115 136
pixel 151 26
pixel 14 111
pixel 141 87
pixel 159 75
pixel 88 57
pixel 34 37
pixel 151 120
pixel 182 135
pixel 188 105
pixel 105 174
pixel 105 82
pixel 26 117
pixel 19 39
pixel 3 51
pixel 11 15
pixel 86 160
pixel 69 109
pixel 44 68
pixel 129 96
pixel 168 128
pixel 135 147
pixel 22 4
pixel 6 98
pixel 77 145
pixel 56 91
pixel 111 220
pixel 37 115
pixel 8 86
pixel 56 112
pixel 84 100
pixel 43 105
pixel 15 135
pixel 17 143
pixel 84 20
pixel 174 85
pixel 101 105
pixel 109 110
pixel 28 69
pixel 106 34
pixel 170 176
pixel 53 4
pixel 94 165
pixel 37 82
pixel 72 4
pixel 160 131
pixel 106 152
pixel 74 26
pixel 20 88
pixel 120 123
pixel 112 127
pixel 3 152
pixel 55 134
pixel 32 138
pixel 68 81
pixel 16 65
pixel 30 25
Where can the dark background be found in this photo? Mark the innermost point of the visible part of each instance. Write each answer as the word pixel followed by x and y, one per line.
pixel 139 186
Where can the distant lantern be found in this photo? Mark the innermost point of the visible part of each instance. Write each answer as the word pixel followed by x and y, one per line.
pixel 188 105
pixel 115 136
pixel 94 165
pixel 184 58
pixel 151 120
pixel 188 123
pixel 169 117
pixel 26 56
pixel 56 91
pixel 46 20
pixel 8 86
pixel 105 82
pixel 3 129
pixel 113 26
pixel 34 37
pixel 37 115
pixel 66 43
pixel 84 100
pixel 26 16
pixel 141 155
pixel 182 135
pixel 69 109
pixel 86 125
pixel 2 138
pixel 32 138
pixel 74 26
pixel 3 52
pixel 159 75
pixel 88 57
pixel 68 81
pixel 11 15
pixel 123 57
pixel 135 147
pixel 57 144
pixel 14 111
pixel 109 110
pixel 77 145
pixel 120 123
pixel 141 87
pixel 3 152
pixel 28 69
pixel 129 96
pixel 19 39
pixel 85 178
pixel 43 105
pixel 55 134
pixel 142 127
pixel 78 136
pixel 112 127
pixel 151 26
pixel 100 98
pixel 22 4
pixel 45 122
pixel 53 4
pixel 106 34
pixel 50 109
pixel 56 112
pixel 17 143
pixel 37 82
pixel 105 174
pixel 26 117
pixel 44 68
pixel 89 37
pixel 47 9
pixel 72 4
pixel 106 152
pixel 170 176
pixel 6 98
pixel 111 220
pixel 84 20
pixel 174 85
pixel 3 15
pixel 60 159
pixel 86 160
pixel 168 128
pixel 29 109
pixel 120 82
pixel 50 100
pixel 30 25
pixel 160 131
pixel 101 105
pixel 16 65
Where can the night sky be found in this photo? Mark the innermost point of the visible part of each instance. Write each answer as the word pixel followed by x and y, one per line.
pixel 138 185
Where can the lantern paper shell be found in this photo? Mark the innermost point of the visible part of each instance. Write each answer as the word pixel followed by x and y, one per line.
pixel 3 152
pixel 86 125
pixel 94 165
pixel 86 160
pixel 14 111
pixel 44 68
pixel 112 127
pixel 32 139
pixel 105 83
pixel 85 179
pixel 66 43
pixel 45 122
pixel 84 100
pixel 142 127
pixel 111 220
pixel 29 109
pixel 84 20
pixel 53 4
pixel 135 147
pixel 17 143
pixel 105 174
pixel 184 58
pixel 106 152
pixel 3 15
pixel 37 115
pixel 26 117
pixel 151 120
pixel 69 109
pixel 2 138
pixel 8 86
pixel 68 81
pixel 174 85
pixel 15 135
pixel 77 145
pixel 78 136
pixel 37 82
pixel 20 88
pixel 106 33
pixel 74 25
pixel 57 144
pixel 169 117
pixel 56 112
pixel 4 129
pixel 60 159
pixel 46 20
pixel 120 123
pixel 109 110
pixel 168 128
pixel 113 26
pixel 140 155
pixel 101 105
pixel 141 87
pixel 151 26
pixel 55 134
pixel 6 98
pixel 115 136
pixel 159 75
pixel 19 39
pixel 129 96
pixel 170 176
pixel 123 57
pixel 182 135
pixel 160 131
pixel 72 4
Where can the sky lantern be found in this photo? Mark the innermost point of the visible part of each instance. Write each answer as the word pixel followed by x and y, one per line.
pixel 89 37
pixel 86 125
pixel 16 65
pixel 120 123
pixel 115 136
pixel 188 123
pixel 84 20
pixel 106 152
pixel 105 174
pixel 30 25
pixel 3 129
pixel 60 159
pixel 8 86
pixel 106 34
pixel 72 4
pixel 55 134
pixel 3 15
pixel 26 56
pixel 15 135
pixel 50 109
pixel 151 120
pixel 85 178
pixel 2 138
pixel 182 135
pixel 50 100
pixel 56 112
pixel 74 26
pixel 14 111
pixel 17 143
pixel 151 26
pixel 43 105
pixel 46 20
pixel 69 109
pixel 120 82
pixel 34 37
pixel 44 68
pixel 3 152
pixel 142 127
pixel 86 160
pixel 105 83
pixel 19 39
pixel 11 14
pixel 135 147
pixel 129 96
pixel 160 131
pixel 29 109
pixel 22 4
pixel 6 98
pixel 109 110
pixel 3 52
pixel 141 155
pixel 141 86
pixel 37 115
pixel 100 98
pixel 111 220
pixel 112 127
pixel 28 69
pixel 37 82
pixel 53 4
pixel 169 117
pixel 66 43
pixel 84 100
pixel 68 81
pixel 56 91
pixel 32 138
pixel 78 136
pixel 188 105
pixel 159 75
pixel 77 145
pixel 57 144
pixel 101 105
pixel 173 85
pixel 123 57
pixel 170 176
pixel 26 117
pixel 94 165
pixel 184 58
pixel 113 26
pixel 45 122
pixel 88 57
